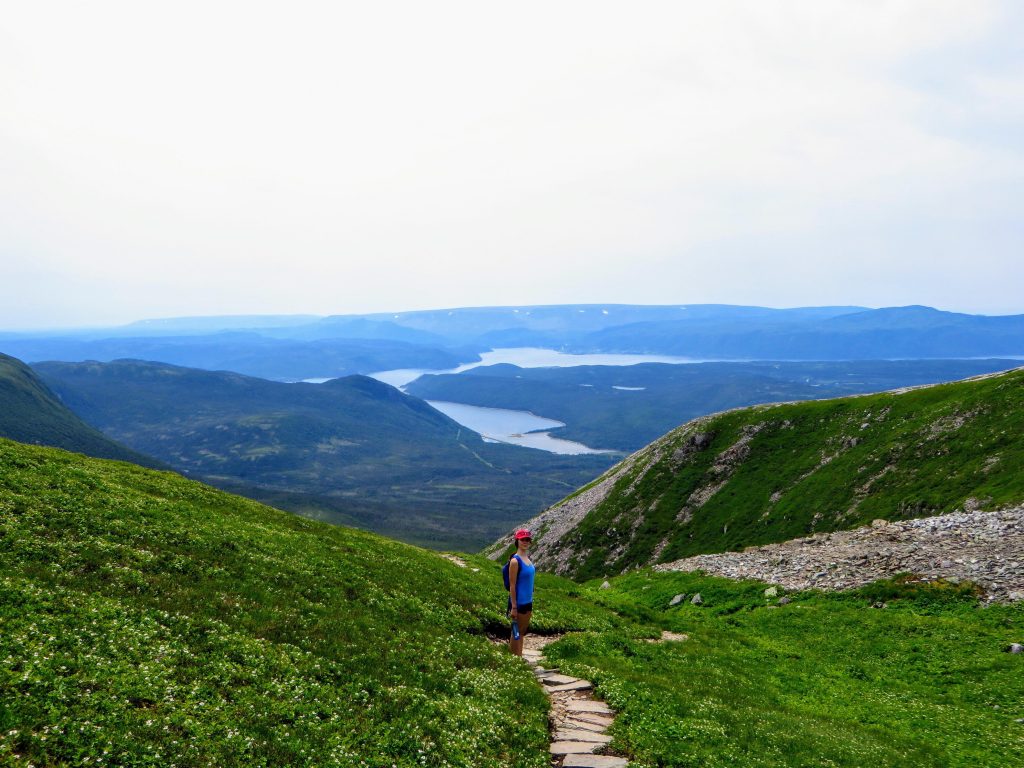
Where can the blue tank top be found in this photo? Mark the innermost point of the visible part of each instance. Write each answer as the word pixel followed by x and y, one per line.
pixel 524 583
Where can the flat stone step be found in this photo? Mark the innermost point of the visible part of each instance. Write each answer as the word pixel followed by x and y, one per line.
pixel 579 685
pixel 572 722
pixel 577 735
pixel 591 717
pixel 541 672
pixel 584 705
pixel 594 761
pixel 572 747
pixel 556 679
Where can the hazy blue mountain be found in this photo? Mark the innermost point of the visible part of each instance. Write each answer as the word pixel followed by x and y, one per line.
pixel 31 413
pixel 246 352
pixel 298 347
pixel 894 332
pixel 187 326
pixel 626 407
pixel 563 324
pixel 357 328
pixel 352 450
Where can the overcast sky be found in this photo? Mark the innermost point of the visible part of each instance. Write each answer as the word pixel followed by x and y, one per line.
pixel 164 159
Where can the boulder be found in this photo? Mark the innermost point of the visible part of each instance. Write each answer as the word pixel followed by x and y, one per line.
pixel 605 585
pixel 1015 648
pixel 771 592
pixel 697 600
pixel 677 599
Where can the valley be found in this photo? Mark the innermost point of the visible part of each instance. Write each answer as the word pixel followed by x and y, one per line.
pixel 352 450
pixel 624 407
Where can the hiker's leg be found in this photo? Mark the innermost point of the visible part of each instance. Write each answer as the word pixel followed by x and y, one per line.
pixel 524 623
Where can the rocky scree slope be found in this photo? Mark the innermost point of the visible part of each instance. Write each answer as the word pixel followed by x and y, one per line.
pixel 985 548
pixel 771 473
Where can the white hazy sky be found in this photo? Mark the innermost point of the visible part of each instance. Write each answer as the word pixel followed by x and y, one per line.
pixel 161 159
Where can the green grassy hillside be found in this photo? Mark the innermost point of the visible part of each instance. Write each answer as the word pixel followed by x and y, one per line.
pixel 826 680
pixel 777 472
pixel 31 413
pixel 146 619
pixel 352 450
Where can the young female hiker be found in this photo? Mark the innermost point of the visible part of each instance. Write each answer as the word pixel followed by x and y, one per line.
pixel 520 589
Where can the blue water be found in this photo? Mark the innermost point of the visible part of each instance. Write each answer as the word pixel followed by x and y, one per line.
pixel 500 425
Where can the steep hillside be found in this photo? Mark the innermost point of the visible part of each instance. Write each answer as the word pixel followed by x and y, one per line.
pixel 146 620
pixel 352 450
pixel 31 413
pixel 777 472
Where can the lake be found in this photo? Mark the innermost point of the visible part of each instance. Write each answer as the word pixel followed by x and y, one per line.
pixel 500 425
pixel 531 357
pixel 521 428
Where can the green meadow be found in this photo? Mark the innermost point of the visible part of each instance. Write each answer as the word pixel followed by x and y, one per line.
pixel 148 620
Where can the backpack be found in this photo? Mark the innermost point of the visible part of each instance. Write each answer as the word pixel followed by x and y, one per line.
pixel 504 571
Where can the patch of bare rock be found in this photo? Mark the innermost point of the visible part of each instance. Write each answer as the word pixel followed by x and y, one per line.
pixel 986 548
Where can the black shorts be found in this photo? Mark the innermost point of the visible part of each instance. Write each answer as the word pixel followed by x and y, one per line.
pixel 524 608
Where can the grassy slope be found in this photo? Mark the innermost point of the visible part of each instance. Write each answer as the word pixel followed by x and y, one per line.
pixel 352 450
pixel 148 619
pixel 31 413
pixel 824 681
pixel 813 466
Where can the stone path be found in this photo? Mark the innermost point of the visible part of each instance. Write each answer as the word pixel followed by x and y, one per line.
pixel 578 719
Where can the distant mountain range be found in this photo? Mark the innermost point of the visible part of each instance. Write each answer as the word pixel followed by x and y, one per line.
pixel 352 450
pixel 31 413
pixel 247 352
pixel 289 348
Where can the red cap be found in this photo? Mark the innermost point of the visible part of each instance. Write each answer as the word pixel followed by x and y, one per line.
pixel 522 533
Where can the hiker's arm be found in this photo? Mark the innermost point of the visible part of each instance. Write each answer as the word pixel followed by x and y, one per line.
pixel 513 573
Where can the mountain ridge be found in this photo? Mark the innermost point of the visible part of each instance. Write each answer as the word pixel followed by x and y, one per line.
pixel 770 473
pixel 30 412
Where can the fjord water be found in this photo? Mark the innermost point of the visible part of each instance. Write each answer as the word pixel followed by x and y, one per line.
pixel 532 357
pixel 522 428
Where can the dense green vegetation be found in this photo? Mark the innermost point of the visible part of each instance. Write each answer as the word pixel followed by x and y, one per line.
pixel 352 450
pixel 826 680
pixel 148 620
pixel 772 473
pixel 626 407
pixel 31 413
